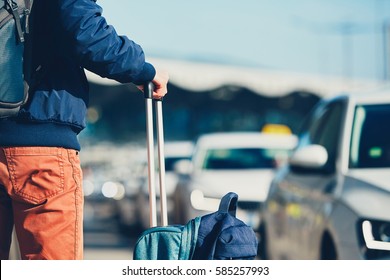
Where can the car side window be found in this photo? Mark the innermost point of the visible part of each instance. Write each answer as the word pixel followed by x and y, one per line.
pixel 326 132
pixel 370 143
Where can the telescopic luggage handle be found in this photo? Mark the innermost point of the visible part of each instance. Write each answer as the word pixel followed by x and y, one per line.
pixel 149 100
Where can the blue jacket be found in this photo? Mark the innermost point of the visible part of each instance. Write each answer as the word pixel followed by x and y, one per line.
pixel 68 37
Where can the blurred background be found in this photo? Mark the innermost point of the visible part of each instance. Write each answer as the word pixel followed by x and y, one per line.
pixel 234 66
pixel 238 65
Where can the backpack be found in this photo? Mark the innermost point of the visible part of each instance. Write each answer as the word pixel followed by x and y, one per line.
pixel 215 236
pixel 222 236
pixel 14 59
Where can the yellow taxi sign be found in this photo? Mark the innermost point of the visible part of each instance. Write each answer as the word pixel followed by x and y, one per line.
pixel 276 129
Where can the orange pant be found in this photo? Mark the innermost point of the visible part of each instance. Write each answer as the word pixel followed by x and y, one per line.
pixel 41 194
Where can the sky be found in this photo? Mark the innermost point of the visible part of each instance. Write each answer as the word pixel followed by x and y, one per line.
pixel 326 37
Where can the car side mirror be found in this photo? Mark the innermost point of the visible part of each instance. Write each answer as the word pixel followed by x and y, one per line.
pixel 309 157
pixel 183 167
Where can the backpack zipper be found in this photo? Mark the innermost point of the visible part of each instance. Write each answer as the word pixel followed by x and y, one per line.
pixel 27 20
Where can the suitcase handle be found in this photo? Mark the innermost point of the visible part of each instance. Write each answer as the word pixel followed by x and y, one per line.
pixel 148 90
pixel 148 93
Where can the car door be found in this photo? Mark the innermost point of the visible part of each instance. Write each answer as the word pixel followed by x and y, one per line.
pixel 307 192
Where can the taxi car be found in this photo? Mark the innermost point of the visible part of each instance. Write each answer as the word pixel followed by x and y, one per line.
pixel 332 199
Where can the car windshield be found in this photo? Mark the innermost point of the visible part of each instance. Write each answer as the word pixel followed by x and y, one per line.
pixel 242 158
pixel 370 141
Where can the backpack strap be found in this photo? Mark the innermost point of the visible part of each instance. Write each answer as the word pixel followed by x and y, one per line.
pixel 13 8
pixel 228 204
pixel 29 72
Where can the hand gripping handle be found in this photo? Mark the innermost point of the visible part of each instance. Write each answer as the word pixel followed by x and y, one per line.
pixel 148 90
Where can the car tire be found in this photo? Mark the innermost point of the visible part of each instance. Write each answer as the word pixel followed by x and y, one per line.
pixel 262 246
pixel 328 248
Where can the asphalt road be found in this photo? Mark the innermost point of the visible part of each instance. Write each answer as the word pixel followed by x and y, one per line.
pixel 104 242
pixel 107 246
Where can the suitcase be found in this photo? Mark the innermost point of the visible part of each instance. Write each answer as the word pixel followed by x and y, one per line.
pixel 164 242
pixel 218 235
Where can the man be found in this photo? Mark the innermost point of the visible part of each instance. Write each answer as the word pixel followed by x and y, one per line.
pixel 40 174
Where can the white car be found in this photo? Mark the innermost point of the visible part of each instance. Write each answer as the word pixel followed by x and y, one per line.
pixel 332 201
pixel 241 162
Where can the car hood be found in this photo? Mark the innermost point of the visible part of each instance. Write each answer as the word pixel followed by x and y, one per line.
pixel 250 185
pixel 368 192
pixel 376 177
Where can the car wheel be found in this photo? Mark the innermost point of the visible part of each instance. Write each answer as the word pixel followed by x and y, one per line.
pixel 262 247
pixel 328 248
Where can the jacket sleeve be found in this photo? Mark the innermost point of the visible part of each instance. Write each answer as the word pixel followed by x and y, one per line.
pixel 97 45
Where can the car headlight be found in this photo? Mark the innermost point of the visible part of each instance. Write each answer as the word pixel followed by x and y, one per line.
pixel 113 190
pixel 376 235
